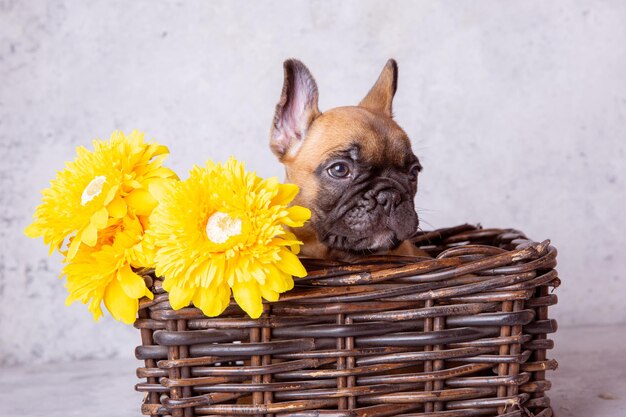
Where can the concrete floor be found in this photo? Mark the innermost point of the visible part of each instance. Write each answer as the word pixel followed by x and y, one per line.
pixel 590 382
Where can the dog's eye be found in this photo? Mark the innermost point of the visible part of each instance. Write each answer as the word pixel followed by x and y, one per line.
pixel 414 170
pixel 339 170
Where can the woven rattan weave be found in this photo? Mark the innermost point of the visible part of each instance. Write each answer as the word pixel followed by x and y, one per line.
pixel 461 334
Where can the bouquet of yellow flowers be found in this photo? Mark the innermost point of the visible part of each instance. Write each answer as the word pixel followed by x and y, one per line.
pixel 117 209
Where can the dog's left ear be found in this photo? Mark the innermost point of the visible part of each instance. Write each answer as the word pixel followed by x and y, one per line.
pixel 295 111
pixel 380 97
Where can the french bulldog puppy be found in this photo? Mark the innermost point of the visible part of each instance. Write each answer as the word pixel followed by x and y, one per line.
pixel 354 166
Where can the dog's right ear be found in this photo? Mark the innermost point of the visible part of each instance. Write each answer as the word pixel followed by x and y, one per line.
pixel 295 111
pixel 380 97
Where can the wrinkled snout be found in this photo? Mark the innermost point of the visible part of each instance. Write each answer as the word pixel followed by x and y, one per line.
pixel 388 199
pixel 379 219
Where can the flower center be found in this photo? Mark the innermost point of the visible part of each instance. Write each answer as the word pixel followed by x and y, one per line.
pixel 93 189
pixel 220 227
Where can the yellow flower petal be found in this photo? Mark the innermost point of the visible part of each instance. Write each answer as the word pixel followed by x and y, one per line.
pixel 163 172
pixel 100 219
pixel 95 309
pixel 133 285
pixel 148 294
pixel 73 248
pixel 159 187
pixel 33 230
pixel 269 294
pixel 294 243
pixel 111 194
pixel 277 280
pixel 180 297
pixel 121 306
pixel 209 301
pixel 117 207
pixel 298 215
pixel 290 264
pixel 248 296
pixel 286 193
pixel 89 235
pixel 141 201
pixel 156 149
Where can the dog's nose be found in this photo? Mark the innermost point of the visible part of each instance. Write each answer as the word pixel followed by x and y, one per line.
pixel 388 199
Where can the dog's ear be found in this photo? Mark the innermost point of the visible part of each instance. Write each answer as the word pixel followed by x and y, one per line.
pixel 295 111
pixel 380 97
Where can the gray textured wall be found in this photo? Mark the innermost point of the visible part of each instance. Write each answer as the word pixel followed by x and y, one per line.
pixel 517 109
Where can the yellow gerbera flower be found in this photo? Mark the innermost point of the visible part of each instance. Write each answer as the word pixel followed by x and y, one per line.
pixel 98 188
pixel 222 229
pixel 104 272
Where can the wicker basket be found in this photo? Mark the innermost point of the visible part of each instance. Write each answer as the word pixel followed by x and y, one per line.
pixel 463 334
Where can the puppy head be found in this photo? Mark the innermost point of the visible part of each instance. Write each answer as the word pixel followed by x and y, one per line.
pixel 354 165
